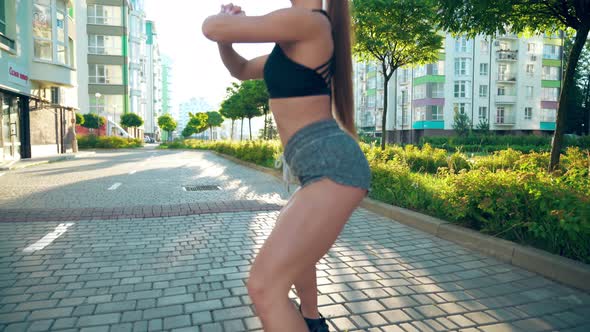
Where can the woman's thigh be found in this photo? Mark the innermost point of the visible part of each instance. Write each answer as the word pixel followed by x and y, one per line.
pixel 305 230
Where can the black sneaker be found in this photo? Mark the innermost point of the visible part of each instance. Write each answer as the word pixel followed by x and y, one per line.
pixel 316 325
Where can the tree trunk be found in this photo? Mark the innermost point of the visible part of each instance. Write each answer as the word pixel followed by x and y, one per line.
pixel 242 129
pixel 385 97
pixel 210 133
pixel 265 125
pixel 564 96
pixel 250 127
pixel 231 134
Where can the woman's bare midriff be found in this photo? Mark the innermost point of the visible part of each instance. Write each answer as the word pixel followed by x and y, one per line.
pixel 294 113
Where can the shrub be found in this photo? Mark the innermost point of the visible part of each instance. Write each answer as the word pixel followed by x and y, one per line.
pixel 107 142
pixel 263 153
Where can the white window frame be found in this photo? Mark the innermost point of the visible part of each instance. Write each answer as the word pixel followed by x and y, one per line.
pixel 530 69
pixel 94 79
pixel 500 114
pixel 501 91
pixel 460 89
pixel 461 66
pixel 105 19
pixel 529 90
pixel 461 45
pixel 3 18
pixel 484 69
pixel 483 90
pixel 437 113
pixel 532 47
pixel 460 107
pixel 94 49
pixel 54 41
pixel 528 113
pixel 483 112
pixel 485 47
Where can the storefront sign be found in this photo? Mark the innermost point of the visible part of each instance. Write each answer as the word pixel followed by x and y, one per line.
pixel 17 75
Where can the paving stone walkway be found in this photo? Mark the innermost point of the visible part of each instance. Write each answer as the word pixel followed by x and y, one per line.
pixel 188 273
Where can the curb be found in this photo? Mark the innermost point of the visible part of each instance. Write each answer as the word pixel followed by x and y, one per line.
pixel 15 165
pixel 561 269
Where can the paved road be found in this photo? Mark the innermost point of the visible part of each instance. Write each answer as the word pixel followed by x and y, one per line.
pixel 187 273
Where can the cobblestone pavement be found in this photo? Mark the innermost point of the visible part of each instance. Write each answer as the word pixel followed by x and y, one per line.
pixel 187 273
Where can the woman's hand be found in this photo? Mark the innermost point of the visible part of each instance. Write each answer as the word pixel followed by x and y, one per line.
pixel 231 9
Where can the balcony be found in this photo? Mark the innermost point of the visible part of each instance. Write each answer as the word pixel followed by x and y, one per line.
pixel 510 36
pixel 505 118
pixel 506 78
pixel 506 99
pixel 507 55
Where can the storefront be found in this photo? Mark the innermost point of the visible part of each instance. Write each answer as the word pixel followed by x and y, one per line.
pixel 14 117
pixel 33 127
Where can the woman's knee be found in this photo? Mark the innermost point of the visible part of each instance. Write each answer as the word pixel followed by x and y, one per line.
pixel 265 289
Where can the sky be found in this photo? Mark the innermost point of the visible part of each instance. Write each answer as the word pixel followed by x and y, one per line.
pixel 197 70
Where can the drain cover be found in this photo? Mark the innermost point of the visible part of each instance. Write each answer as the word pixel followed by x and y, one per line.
pixel 201 188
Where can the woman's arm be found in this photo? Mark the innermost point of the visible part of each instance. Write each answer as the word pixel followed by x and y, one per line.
pixel 292 24
pixel 239 67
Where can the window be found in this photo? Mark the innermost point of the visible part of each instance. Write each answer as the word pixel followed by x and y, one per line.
pixel 504 46
pixel 462 45
pixel 501 91
pixel 483 112
pixel 532 47
pixel 50 32
pixel 420 91
pixel 528 113
pixel 530 69
pixel 460 89
pixel 42 30
pixel 437 68
pixel 500 114
pixel 437 113
pixel 462 66
pixel 503 74
pixel 107 45
pixel 548 115
pixel 371 101
pixel 111 74
pixel 459 107
pixel 485 47
pixel 420 71
pixel 529 91
pixel 2 17
pixel 438 90
pixel 551 73
pixel 552 52
pixel 420 113
pixel 104 15
pixel 110 106
pixel 550 94
pixel 371 83
pixel 483 91
pixel 483 69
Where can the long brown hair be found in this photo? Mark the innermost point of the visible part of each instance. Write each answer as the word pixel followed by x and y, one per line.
pixel 342 103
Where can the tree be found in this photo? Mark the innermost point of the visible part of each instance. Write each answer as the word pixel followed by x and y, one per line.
pixel 197 122
pixel 131 120
pixel 230 107
pixel 269 131
pixel 167 123
pixel 473 17
pixel 187 131
pixel 254 99
pixel 79 119
pixel 214 119
pixel 395 33
pixel 93 121
pixel 461 124
pixel 578 105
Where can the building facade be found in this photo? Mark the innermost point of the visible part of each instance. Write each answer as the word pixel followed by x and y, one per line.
pixel 112 80
pixel 37 77
pixel 508 83
pixel 154 82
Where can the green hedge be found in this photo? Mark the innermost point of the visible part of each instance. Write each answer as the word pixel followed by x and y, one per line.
pixel 263 153
pixel 491 143
pixel 508 194
pixel 107 142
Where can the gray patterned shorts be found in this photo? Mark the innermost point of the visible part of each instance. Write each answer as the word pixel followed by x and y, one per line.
pixel 323 150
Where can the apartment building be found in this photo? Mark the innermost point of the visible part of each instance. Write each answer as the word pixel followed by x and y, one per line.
pixel 37 77
pixel 509 83
pixel 153 81
pixel 112 80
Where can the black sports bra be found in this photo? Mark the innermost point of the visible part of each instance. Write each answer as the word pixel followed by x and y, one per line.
pixel 286 78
